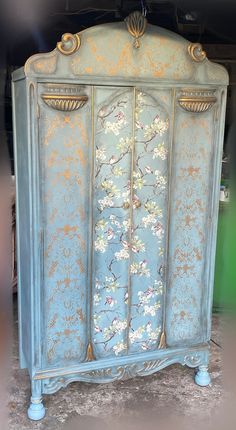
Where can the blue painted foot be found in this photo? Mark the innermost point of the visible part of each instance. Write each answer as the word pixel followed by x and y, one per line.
pixel 36 410
pixel 202 377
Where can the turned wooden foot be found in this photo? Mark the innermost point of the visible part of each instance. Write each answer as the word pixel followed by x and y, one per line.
pixel 36 409
pixel 202 376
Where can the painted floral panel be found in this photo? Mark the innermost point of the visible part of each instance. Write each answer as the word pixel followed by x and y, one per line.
pixel 131 169
pixel 150 201
pixel 112 172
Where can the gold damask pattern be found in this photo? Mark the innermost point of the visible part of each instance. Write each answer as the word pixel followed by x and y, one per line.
pixel 190 222
pixel 64 149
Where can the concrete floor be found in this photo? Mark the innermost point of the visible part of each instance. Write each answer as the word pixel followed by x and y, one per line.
pixel 132 404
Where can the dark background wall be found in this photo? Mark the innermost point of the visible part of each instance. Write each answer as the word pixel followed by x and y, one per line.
pixel 31 26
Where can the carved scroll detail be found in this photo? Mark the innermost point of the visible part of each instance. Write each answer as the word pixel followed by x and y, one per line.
pixel 136 25
pixel 69 43
pixel 197 100
pixel 191 359
pixel 196 52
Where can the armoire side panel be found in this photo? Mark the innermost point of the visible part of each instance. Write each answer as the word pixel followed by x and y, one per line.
pixel 22 162
pixel 65 144
pixel 194 146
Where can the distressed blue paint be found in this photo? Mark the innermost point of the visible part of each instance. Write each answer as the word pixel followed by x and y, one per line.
pixel 64 171
pixel 202 377
pixel 86 277
pixel 36 411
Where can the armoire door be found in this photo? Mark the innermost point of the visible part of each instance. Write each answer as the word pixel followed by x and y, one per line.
pixel 64 152
pixel 132 138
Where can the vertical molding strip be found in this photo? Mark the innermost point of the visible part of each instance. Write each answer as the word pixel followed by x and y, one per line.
pixel 129 302
pixel 162 343
pixel 23 363
pixel 217 142
pixel 89 352
pixel 34 203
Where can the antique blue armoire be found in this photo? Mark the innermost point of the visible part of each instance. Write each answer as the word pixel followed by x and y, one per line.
pixel 118 141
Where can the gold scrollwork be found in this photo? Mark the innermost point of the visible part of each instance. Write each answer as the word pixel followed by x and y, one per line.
pixel 136 25
pixel 196 52
pixel 69 43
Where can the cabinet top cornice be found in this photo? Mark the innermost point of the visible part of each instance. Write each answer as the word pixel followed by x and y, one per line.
pixel 127 50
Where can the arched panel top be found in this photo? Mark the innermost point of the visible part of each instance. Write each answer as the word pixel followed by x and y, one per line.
pixel 130 50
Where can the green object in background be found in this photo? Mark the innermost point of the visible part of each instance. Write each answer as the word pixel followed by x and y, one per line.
pixel 224 298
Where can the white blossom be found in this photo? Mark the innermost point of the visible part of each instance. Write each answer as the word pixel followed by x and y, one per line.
pixel 136 334
pixel 110 188
pixel 160 151
pixel 120 346
pixel 127 224
pixel 160 179
pixel 158 230
pixel 96 299
pixel 106 202
pixel 140 269
pixel 158 126
pixel 116 327
pixel 100 244
pixel 137 245
pixel 151 310
pixel 125 144
pixel 118 171
pixel 101 224
pixel 115 127
pixel 101 154
pixel 123 254
pixel 149 220
pixel 153 208
pixel 138 181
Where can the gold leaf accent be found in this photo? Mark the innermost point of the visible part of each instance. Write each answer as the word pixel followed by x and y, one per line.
pixel 162 343
pixel 136 25
pixel 90 355
pixel 64 97
pixel 69 43
pixel 197 101
pixel 196 52
pixel 64 102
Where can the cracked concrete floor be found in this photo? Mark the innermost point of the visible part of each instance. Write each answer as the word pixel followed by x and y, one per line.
pixel 128 403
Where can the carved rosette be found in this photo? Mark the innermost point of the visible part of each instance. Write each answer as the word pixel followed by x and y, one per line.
pixel 64 97
pixel 197 101
pixel 136 25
